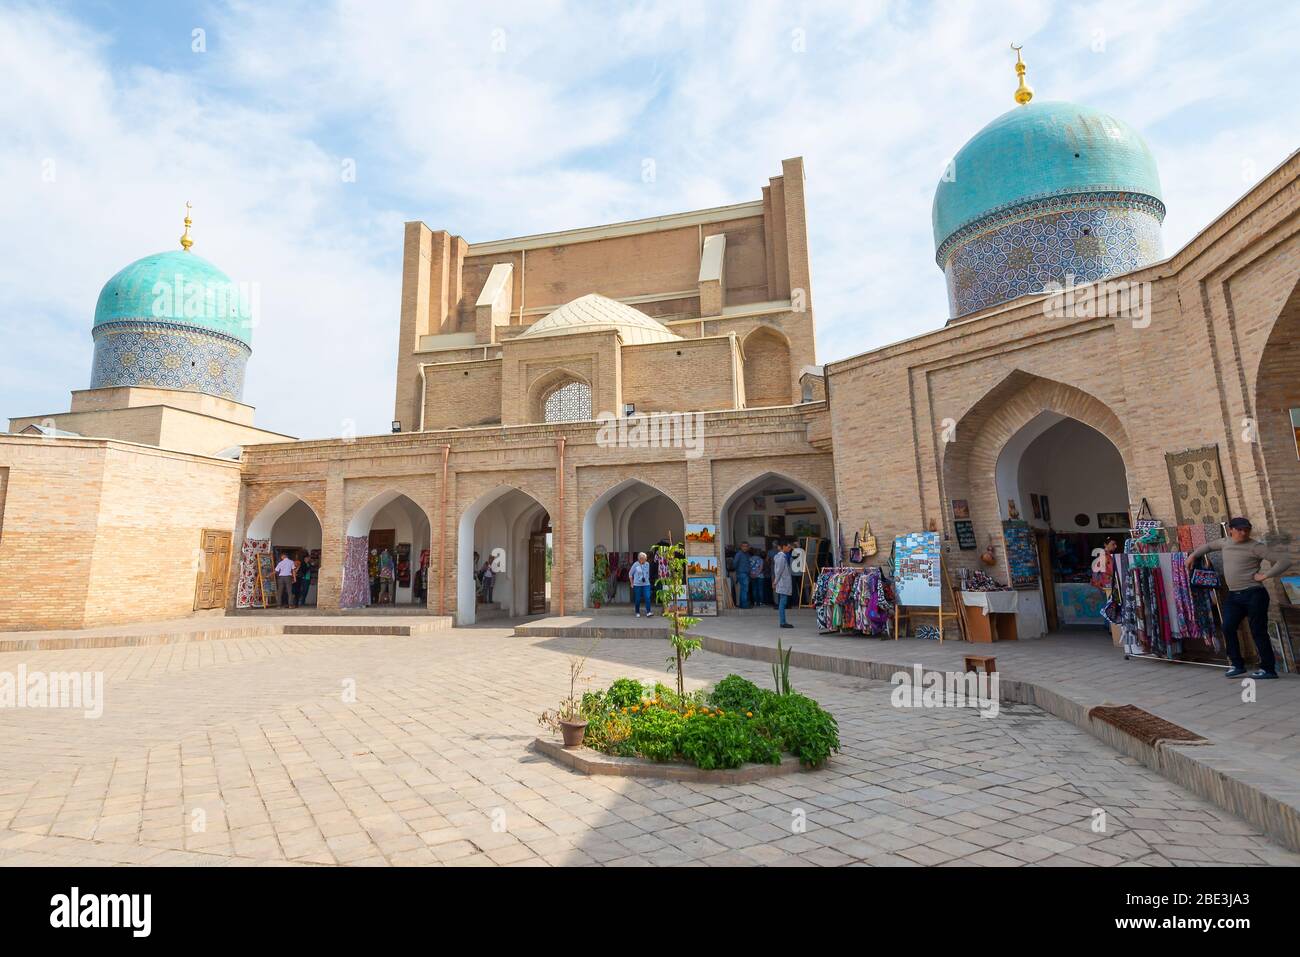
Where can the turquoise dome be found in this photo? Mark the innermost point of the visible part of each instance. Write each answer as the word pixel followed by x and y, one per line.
pixel 1039 151
pixel 176 288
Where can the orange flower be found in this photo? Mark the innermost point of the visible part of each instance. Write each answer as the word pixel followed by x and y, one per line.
pixel 635 708
pixel 749 714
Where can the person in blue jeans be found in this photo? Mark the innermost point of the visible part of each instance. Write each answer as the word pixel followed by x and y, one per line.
pixel 782 582
pixel 741 565
pixel 639 579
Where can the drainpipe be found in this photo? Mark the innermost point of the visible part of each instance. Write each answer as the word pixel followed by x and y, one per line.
pixel 558 526
pixel 442 533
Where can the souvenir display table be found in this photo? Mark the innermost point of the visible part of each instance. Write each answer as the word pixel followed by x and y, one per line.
pixel 990 615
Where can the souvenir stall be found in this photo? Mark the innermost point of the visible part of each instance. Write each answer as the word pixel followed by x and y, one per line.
pixel 1163 608
pixel 853 600
pixel 988 608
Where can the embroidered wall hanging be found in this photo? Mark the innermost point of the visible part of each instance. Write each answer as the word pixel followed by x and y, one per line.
pixel 1197 484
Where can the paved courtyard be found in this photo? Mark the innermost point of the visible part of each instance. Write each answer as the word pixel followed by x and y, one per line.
pixel 254 751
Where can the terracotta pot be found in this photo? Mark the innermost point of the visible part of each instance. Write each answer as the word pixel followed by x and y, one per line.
pixel 573 732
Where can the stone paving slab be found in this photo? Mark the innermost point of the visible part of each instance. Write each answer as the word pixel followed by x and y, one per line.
pixel 1251 767
pixel 219 628
pixel 415 751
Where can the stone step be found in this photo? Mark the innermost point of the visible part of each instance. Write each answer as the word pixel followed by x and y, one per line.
pixel 544 630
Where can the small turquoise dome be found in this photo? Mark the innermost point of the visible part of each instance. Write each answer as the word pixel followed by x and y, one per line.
pixel 176 288
pixel 1039 151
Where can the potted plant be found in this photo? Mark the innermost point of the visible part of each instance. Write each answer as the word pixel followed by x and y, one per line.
pixel 568 719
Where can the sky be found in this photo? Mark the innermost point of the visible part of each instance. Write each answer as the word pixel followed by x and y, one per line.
pixel 306 134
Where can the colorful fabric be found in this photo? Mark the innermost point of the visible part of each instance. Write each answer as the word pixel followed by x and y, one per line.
pixel 356 577
pixel 246 589
pixel 386 565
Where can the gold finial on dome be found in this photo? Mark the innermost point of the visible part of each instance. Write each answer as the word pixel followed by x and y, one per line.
pixel 1023 92
pixel 186 242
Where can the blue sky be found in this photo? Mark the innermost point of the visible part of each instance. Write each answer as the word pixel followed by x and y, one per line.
pixel 495 120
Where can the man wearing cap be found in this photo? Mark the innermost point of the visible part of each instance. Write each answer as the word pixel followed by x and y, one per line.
pixel 1247 596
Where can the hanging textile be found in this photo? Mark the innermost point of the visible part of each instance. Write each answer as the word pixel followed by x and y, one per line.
pixel 356 572
pixel 853 600
pixel 246 590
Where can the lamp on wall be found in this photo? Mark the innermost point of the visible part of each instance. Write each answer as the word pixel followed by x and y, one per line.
pixel 629 408
pixel 397 425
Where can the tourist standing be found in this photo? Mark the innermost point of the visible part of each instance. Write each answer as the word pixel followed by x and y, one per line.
pixel 741 566
pixel 284 578
pixel 489 578
pixel 1247 596
pixel 639 579
pixel 782 582
pixel 302 582
pixel 757 578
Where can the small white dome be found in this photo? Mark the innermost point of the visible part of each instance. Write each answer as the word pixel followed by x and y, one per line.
pixel 596 313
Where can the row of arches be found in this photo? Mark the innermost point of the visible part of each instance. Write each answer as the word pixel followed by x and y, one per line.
pixel 508 530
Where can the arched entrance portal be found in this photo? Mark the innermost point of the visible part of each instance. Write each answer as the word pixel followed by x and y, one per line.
pixel 511 530
pixel 284 525
pixel 386 552
pixel 1277 412
pixel 769 509
pixel 631 517
pixel 1067 481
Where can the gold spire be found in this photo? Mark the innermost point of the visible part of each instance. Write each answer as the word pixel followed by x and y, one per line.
pixel 186 242
pixel 1023 92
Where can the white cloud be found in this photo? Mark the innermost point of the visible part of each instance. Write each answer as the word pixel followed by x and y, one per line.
pixel 499 120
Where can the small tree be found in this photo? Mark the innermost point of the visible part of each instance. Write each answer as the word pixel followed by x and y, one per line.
pixel 673 597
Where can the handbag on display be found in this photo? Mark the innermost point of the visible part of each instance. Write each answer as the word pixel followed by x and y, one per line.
pixel 855 553
pixel 868 540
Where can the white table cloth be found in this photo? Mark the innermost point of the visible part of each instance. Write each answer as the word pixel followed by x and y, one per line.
pixel 997 602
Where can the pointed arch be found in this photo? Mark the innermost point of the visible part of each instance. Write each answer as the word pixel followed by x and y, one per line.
pixel 768 380
pixel 517 512
pixel 620 519
pixel 751 486
pixel 264 521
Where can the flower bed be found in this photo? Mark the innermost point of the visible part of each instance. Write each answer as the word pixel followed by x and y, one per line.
pixel 732 724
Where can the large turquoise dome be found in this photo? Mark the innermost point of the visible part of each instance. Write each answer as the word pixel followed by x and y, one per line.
pixel 1044 191
pixel 173 320
pixel 180 288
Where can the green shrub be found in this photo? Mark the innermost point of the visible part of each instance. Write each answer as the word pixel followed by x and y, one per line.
pixel 624 693
pixel 670 699
pixel 734 693
pixel 799 725
pixel 655 732
pixel 728 740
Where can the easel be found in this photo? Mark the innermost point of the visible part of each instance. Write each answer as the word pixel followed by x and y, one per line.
pixel 267 601
pixel 914 610
pixel 808 582
pixel 957 602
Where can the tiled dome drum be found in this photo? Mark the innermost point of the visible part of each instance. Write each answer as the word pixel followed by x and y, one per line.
pixel 172 321
pixel 1047 192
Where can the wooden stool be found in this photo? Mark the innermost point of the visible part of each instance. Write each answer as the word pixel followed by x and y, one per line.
pixel 973 663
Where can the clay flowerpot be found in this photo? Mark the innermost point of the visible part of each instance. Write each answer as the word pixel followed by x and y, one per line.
pixel 573 732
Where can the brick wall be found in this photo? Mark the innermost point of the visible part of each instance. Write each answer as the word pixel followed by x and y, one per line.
pixel 100 532
pixel 681 376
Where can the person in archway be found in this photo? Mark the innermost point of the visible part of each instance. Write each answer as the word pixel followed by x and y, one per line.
pixel 758 578
pixel 639 579
pixel 302 584
pixel 1243 558
pixel 782 582
pixel 740 564
pixel 488 577
pixel 284 579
